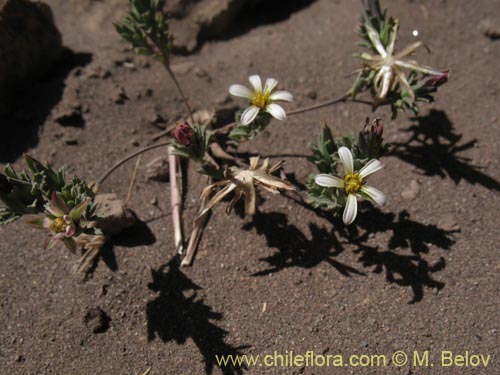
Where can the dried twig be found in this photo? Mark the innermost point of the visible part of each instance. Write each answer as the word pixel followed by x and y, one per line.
pixel 175 199
pixel 194 240
pixel 132 181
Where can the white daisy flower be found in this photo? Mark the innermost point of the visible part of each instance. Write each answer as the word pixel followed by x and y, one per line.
pixel 353 183
pixel 261 99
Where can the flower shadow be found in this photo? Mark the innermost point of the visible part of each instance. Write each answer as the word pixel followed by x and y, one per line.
pixel 177 314
pixel 411 269
pixel 294 248
pixel 434 148
pixel 137 235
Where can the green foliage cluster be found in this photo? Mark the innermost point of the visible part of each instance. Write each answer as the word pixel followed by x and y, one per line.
pixel 29 192
pixel 146 28
pixel 241 133
pixel 196 150
pixel 366 146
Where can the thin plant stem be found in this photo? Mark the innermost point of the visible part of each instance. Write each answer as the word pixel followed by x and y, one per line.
pixel 179 88
pixel 164 132
pixel 119 163
pixel 132 180
pixel 225 129
pixel 341 99
pixel 175 200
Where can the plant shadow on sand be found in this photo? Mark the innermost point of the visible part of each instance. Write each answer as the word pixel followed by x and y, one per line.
pixel 177 314
pixel 20 130
pixel 137 235
pixel 295 249
pixel 433 147
pixel 413 270
pixel 407 270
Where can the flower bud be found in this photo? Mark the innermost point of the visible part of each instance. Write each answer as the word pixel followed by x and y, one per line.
pixel 370 138
pixel 436 81
pixel 375 129
pixel 183 133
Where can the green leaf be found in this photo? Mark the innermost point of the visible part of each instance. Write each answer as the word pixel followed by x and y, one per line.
pixel 70 244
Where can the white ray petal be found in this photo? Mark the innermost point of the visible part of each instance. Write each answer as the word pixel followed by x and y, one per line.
pixel 374 194
pixel 241 91
pixel 345 156
pixel 256 83
pixel 276 111
pixel 386 77
pixel 282 95
pixel 404 83
pixel 371 167
pixel 392 40
pixel 421 68
pixel 249 115
pixel 350 210
pixel 270 85
pixel 408 50
pixel 375 39
pixel 327 180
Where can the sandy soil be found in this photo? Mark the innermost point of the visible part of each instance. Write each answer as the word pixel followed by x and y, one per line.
pixel 420 274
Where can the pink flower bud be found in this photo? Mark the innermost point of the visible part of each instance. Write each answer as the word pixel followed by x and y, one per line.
pixel 375 129
pixel 183 134
pixel 436 81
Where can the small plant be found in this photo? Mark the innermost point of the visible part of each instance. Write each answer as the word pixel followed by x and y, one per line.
pixel 359 159
pixel 147 28
pixel 63 208
pixel 384 72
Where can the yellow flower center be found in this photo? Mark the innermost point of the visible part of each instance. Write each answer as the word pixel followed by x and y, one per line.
pixel 58 225
pixel 353 183
pixel 261 100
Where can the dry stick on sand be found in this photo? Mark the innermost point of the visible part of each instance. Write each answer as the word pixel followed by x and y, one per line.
pixel 175 199
pixel 175 171
pixel 198 226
